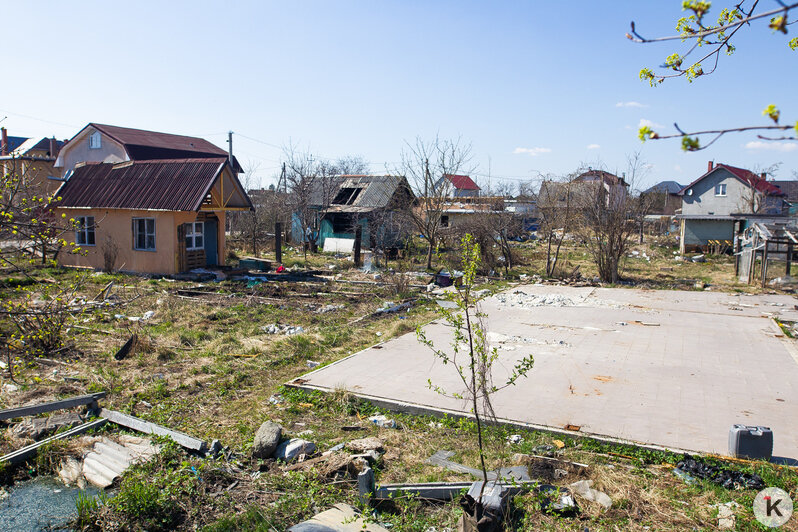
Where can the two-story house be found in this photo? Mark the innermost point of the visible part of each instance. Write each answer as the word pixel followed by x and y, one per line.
pixel 145 201
pixel 719 204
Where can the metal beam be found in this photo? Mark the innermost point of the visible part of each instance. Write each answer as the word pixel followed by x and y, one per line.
pixel 189 442
pixel 32 410
pixel 20 455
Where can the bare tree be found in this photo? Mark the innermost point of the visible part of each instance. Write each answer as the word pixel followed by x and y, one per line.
pixel 425 164
pixel 758 199
pixel 609 217
pixel 557 210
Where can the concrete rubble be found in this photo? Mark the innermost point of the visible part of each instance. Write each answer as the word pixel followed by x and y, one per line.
pixel 288 330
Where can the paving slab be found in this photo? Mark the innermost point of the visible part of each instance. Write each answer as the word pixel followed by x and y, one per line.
pixel 668 368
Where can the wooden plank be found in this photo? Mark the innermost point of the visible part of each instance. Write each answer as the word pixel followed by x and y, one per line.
pixel 20 455
pixel 189 442
pixel 32 410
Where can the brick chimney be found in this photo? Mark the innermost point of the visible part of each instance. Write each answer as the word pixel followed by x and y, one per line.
pixel 710 166
pixel 4 141
pixel 764 176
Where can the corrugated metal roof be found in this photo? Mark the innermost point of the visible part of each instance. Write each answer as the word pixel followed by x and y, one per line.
pixel 175 185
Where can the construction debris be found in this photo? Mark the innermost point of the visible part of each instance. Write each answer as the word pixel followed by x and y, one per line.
pixel 288 330
pixel 109 459
pixel 291 449
pixel 340 518
pixel 583 488
pixel 727 478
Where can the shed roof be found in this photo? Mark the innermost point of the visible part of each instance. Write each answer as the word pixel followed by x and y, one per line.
pixel 462 182
pixel 375 192
pixel 790 189
pixel 174 185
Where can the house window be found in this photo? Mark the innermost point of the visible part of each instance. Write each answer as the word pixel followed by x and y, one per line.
pixel 95 141
pixel 720 190
pixel 84 234
pixel 194 236
pixel 444 221
pixel 144 234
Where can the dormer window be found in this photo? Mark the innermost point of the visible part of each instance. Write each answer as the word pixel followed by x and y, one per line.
pixel 95 141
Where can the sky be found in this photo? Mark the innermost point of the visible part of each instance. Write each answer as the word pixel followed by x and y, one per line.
pixel 535 88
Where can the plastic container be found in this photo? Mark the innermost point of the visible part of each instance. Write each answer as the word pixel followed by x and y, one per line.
pixel 752 442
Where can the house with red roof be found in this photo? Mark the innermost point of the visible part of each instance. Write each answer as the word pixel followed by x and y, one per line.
pixel 144 201
pixel 722 201
pixel 457 186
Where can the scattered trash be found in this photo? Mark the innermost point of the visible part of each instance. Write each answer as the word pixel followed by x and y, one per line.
pixel 558 444
pixel 382 421
pixel 583 488
pixel 276 399
pixel 726 518
pixel 328 308
pixel 125 349
pixel 293 448
pixel 782 282
pixel 729 479
pixel 282 329
pixel 514 439
pixel 8 387
pixel 312 364
pixel 689 479
pixel 280 269
pixel 699 258
pixel 389 308
pixel 557 501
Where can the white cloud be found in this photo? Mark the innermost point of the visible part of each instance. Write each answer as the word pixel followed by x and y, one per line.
pixel 630 104
pixel 772 146
pixel 532 152
pixel 646 122
pixel 593 146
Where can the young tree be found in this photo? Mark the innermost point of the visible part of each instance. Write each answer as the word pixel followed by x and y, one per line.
pixel 425 163
pixel 710 39
pixel 469 354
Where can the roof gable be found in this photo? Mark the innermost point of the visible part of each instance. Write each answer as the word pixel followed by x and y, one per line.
pixel 462 182
pixel 174 185
pixel 360 193
pixel 746 176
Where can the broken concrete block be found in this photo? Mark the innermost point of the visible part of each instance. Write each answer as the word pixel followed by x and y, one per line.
pixel 266 439
pixel 39 427
pixel 291 449
pixel 365 444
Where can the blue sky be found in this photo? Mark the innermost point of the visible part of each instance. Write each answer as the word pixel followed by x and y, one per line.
pixel 535 87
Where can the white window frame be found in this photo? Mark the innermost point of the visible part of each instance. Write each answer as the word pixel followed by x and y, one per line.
pixel 720 189
pixel 136 234
pixel 95 141
pixel 84 229
pixel 195 230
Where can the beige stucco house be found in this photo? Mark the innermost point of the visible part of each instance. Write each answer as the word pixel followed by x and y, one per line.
pixel 157 217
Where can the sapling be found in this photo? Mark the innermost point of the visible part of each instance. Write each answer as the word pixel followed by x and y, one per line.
pixel 470 354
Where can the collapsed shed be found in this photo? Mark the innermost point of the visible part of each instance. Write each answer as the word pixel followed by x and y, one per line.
pixel 764 243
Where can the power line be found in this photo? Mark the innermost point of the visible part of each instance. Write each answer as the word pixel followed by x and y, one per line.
pixel 38 119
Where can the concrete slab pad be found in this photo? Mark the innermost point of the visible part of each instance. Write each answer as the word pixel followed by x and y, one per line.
pixel 668 368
